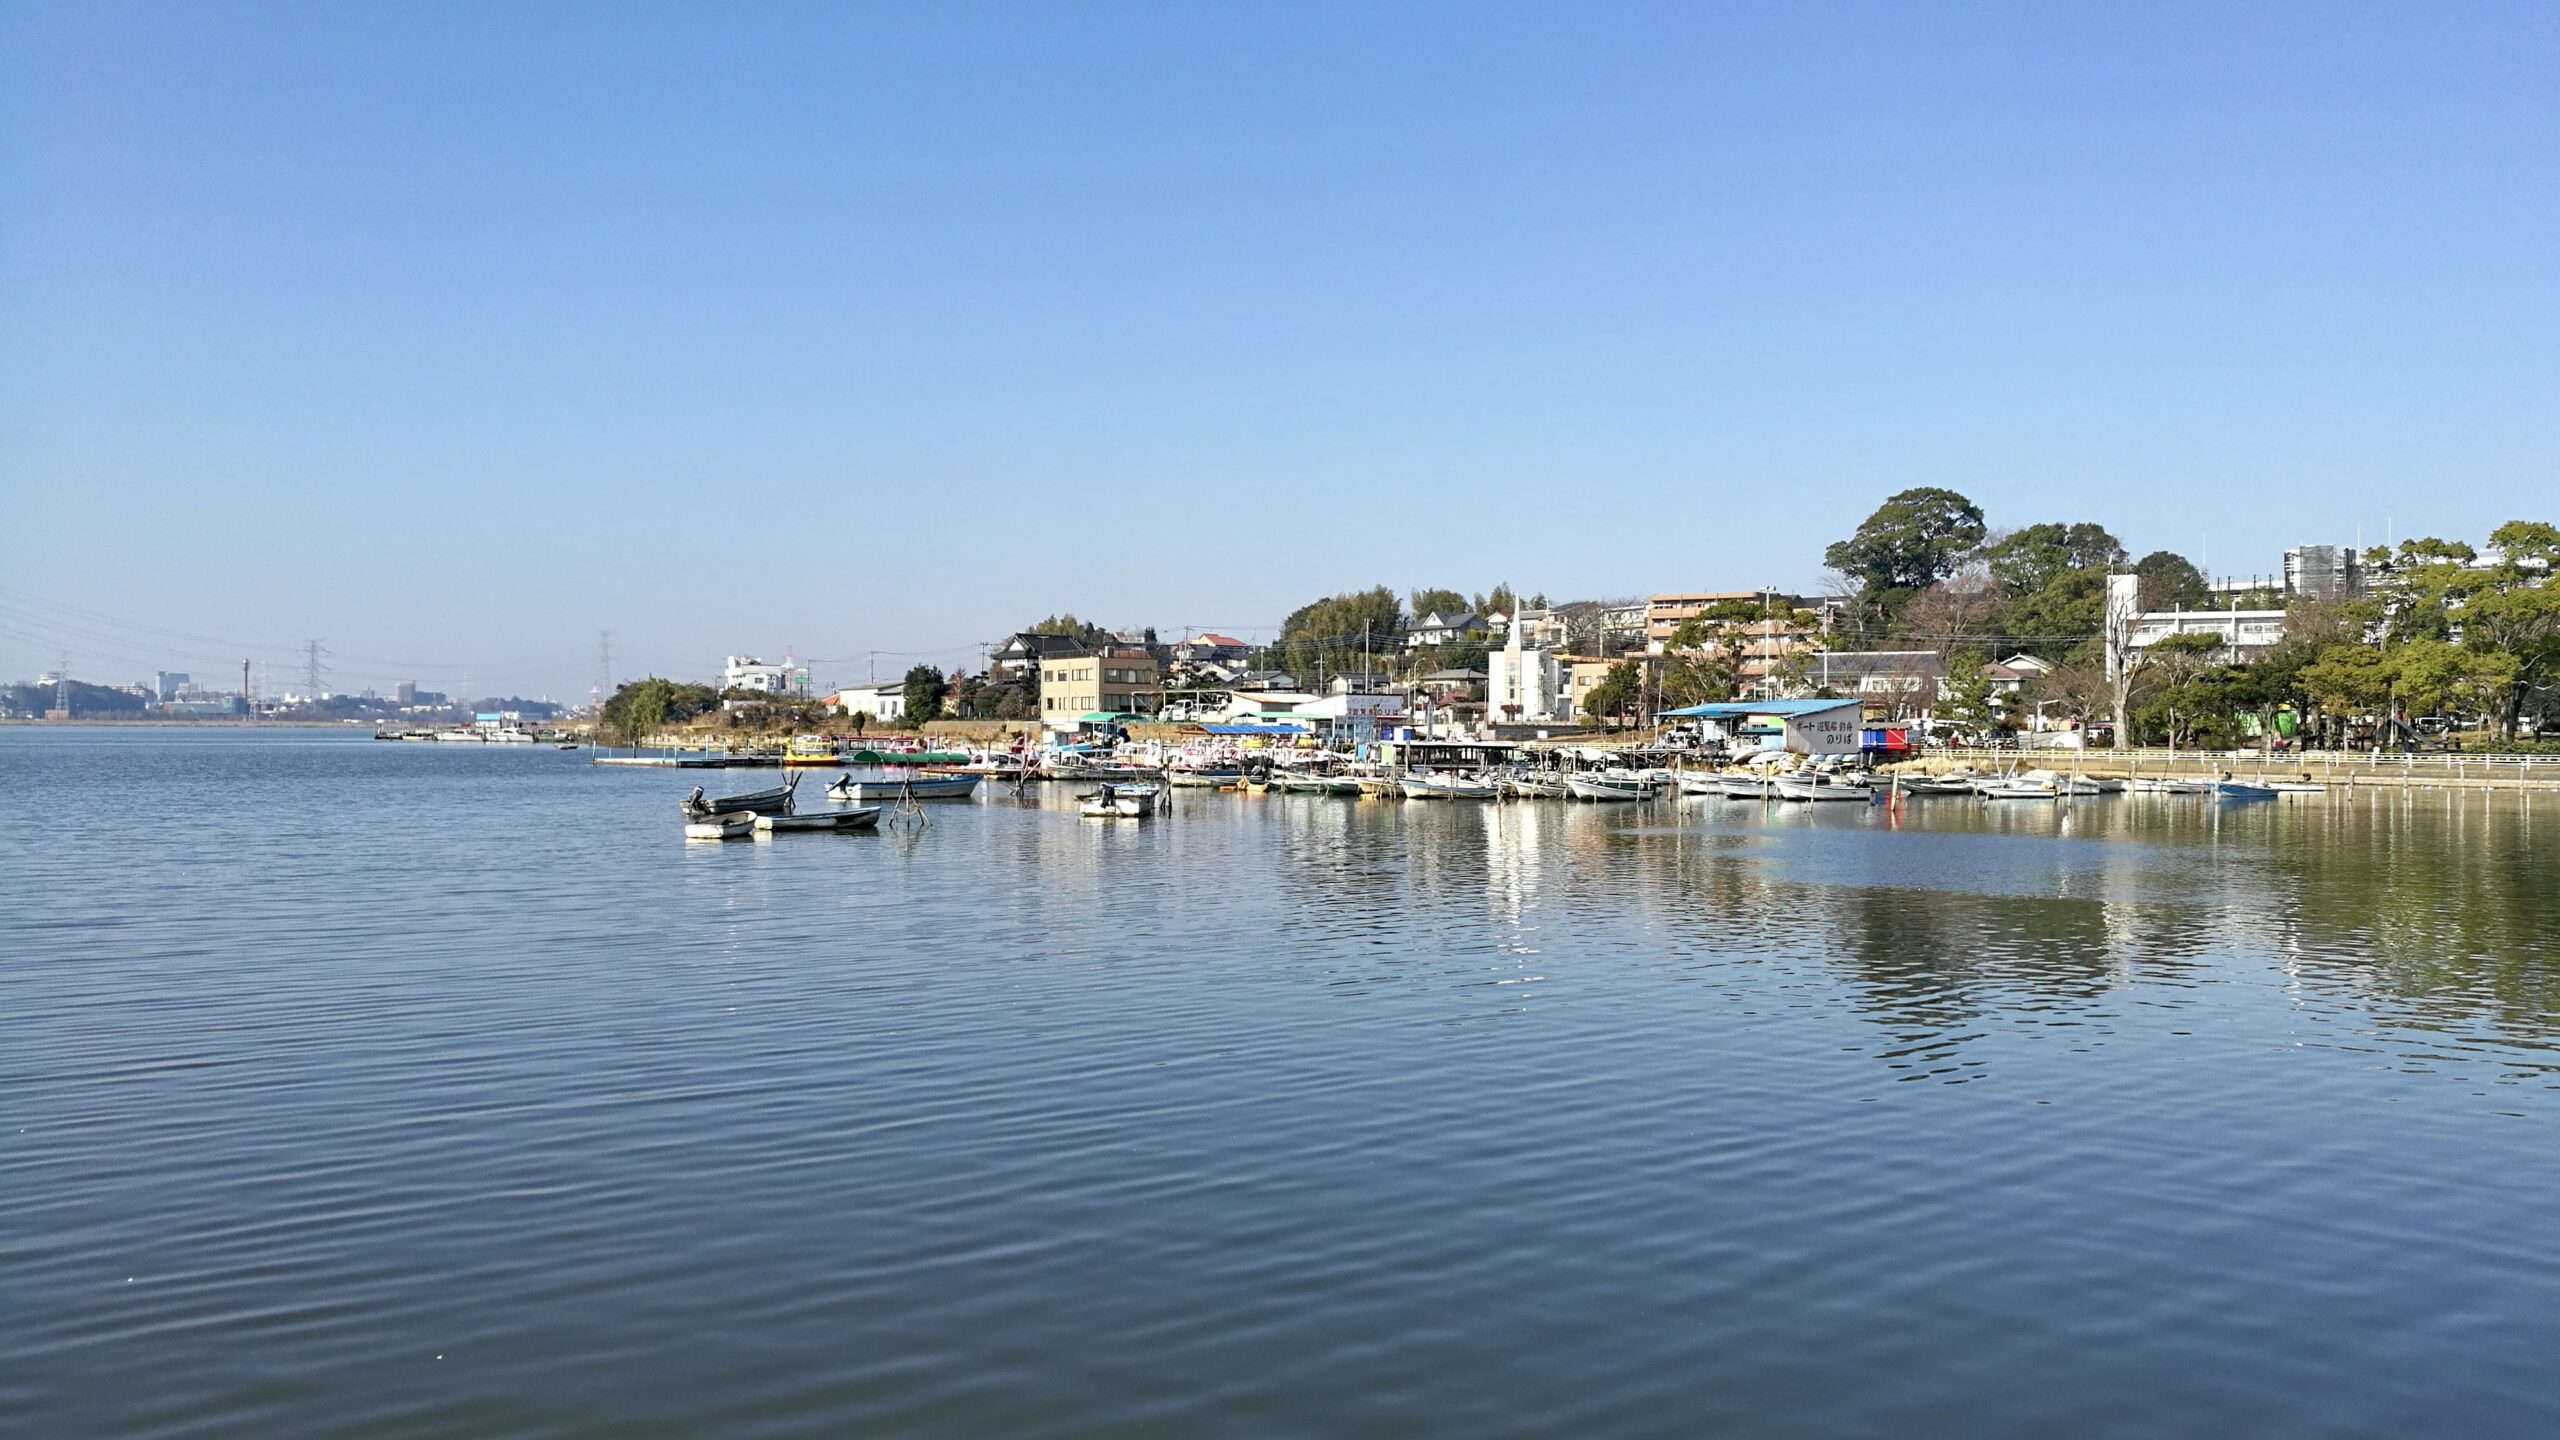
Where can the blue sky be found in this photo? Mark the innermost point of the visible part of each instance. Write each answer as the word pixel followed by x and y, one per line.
pixel 456 334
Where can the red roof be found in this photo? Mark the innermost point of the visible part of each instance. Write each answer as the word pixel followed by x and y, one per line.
pixel 1223 642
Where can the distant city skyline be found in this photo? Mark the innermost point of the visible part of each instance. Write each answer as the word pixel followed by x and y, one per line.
pixel 454 337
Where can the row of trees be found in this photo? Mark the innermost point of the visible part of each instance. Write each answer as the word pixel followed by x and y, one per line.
pixel 1364 630
pixel 2442 630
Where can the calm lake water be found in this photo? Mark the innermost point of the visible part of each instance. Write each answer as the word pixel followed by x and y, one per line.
pixel 415 1090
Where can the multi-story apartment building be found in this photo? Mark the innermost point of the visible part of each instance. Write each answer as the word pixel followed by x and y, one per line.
pixel 1664 614
pixel 1114 680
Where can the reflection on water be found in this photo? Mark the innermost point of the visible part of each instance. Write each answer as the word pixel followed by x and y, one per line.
pixel 393 1090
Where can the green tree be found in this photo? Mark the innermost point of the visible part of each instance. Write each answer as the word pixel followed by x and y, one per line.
pixel 642 708
pixel 2170 581
pixel 1915 538
pixel 2026 561
pixel 1698 679
pixel 1436 602
pixel 2063 615
pixel 1083 632
pixel 1969 703
pixel 2188 697
pixel 2347 679
pixel 923 694
pixel 1615 694
pixel 1323 635
pixel 2430 677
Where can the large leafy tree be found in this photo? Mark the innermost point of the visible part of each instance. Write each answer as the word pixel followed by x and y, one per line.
pixel 2171 581
pixel 923 694
pixel 1439 602
pixel 641 708
pixel 1915 538
pixel 2026 561
pixel 2347 679
pixel 2504 609
pixel 2063 616
pixel 1323 634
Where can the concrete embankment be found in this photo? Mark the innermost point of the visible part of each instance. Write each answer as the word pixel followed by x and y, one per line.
pixel 2334 769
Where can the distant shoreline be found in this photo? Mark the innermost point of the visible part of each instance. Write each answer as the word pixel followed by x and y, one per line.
pixel 165 722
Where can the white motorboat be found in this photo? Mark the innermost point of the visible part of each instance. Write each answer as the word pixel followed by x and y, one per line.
pixel 1701 782
pixel 1960 782
pixel 774 801
pixel 1537 785
pixel 1120 802
pixel 1823 785
pixel 1606 785
pixel 1449 787
pixel 735 825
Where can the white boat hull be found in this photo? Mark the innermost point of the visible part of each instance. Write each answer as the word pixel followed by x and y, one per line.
pixel 1437 787
pixel 859 818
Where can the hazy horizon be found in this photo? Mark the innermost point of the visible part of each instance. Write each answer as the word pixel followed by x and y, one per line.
pixel 456 336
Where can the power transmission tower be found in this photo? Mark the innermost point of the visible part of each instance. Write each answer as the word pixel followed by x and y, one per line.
pixel 311 653
pixel 62 686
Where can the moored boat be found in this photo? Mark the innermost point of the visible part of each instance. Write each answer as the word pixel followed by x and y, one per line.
pixel 1812 785
pixel 914 787
pixel 1449 787
pixel 1120 802
pixel 810 750
pixel 736 824
pixel 1606 786
pixel 759 802
pixel 860 817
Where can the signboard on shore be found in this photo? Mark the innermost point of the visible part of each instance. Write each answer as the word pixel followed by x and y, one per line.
pixel 1825 732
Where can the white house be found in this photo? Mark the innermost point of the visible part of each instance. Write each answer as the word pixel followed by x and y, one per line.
pixel 746 672
pixel 1438 629
pixel 884 701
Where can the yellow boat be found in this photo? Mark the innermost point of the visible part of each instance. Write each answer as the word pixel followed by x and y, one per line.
pixel 811 750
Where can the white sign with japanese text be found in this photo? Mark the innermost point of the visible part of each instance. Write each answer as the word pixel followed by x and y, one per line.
pixel 1825 732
